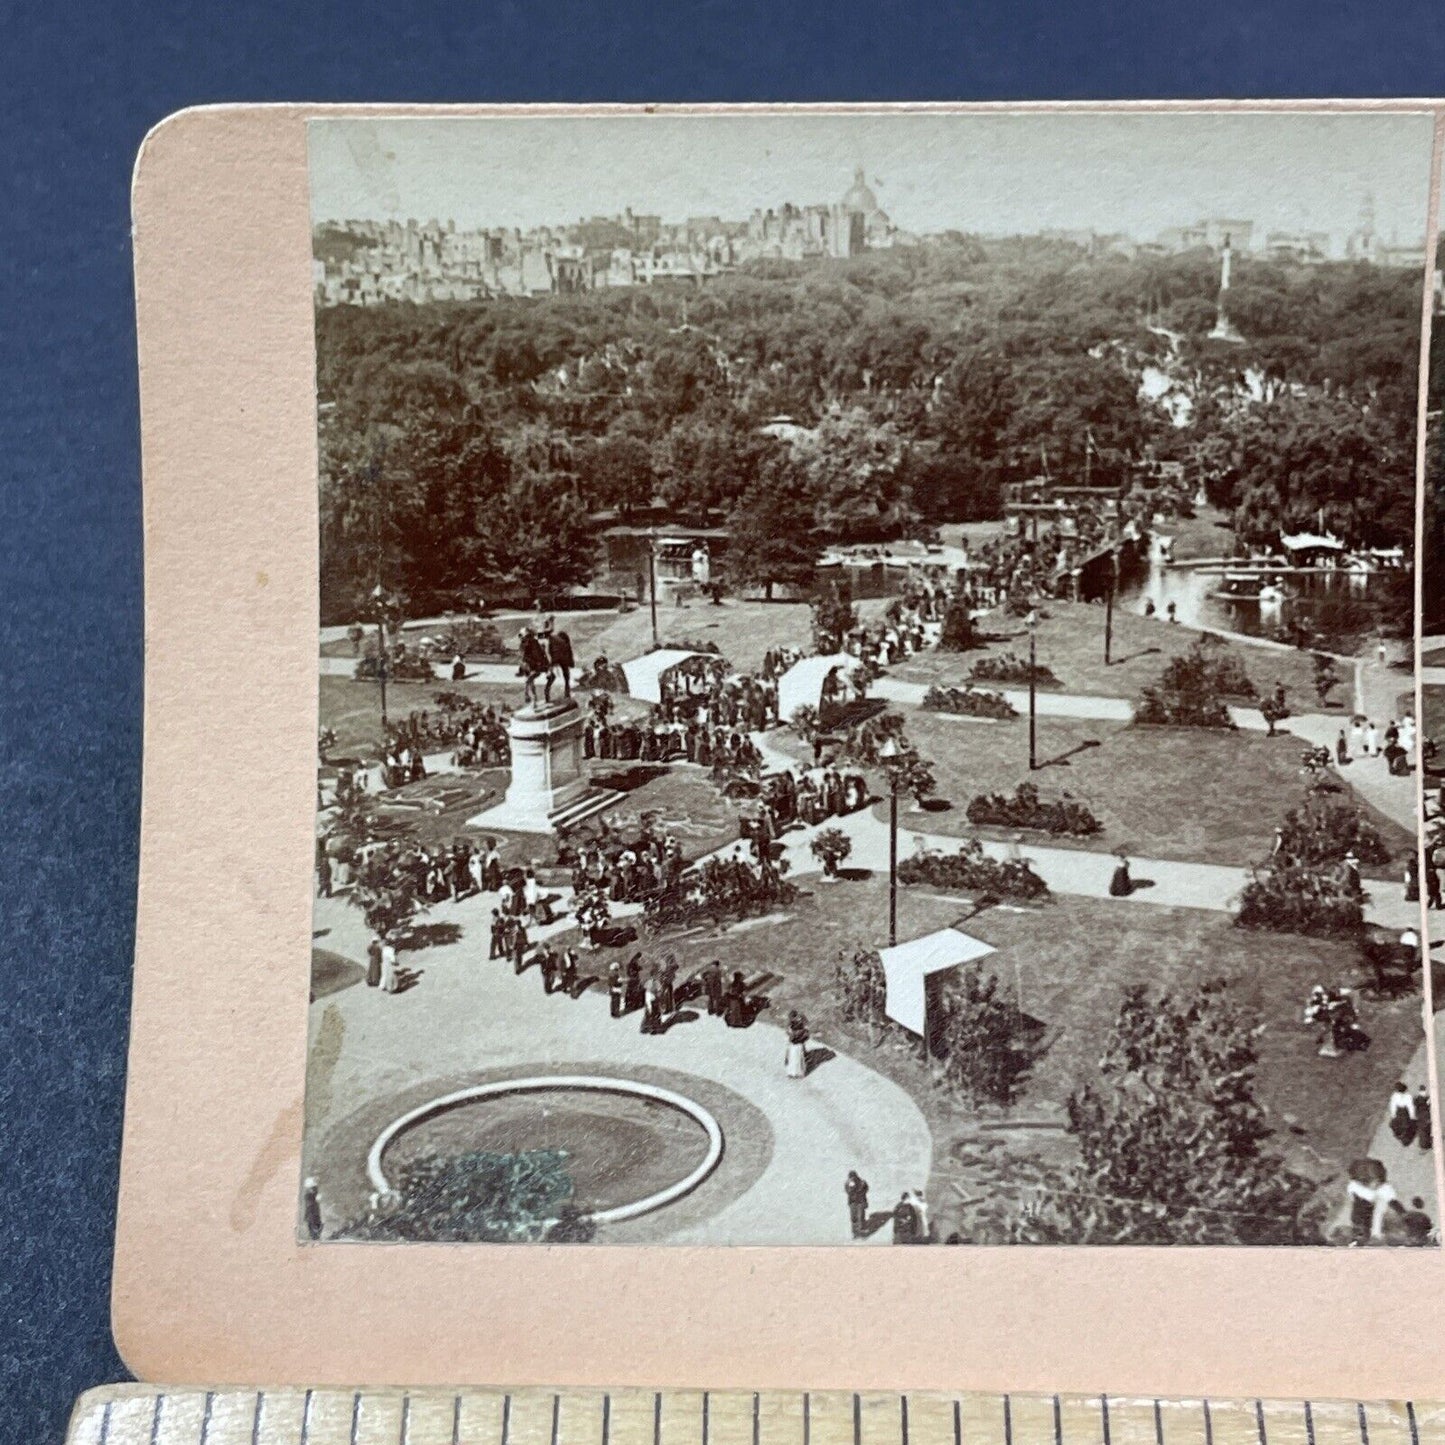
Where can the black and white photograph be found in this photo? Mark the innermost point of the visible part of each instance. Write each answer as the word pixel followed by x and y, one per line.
pixel 867 679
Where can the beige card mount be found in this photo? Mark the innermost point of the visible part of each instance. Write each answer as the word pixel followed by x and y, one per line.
pixel 215 1281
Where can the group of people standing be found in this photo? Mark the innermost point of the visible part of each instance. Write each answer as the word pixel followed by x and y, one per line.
pixel 1396 743
pixel 653 988
pixel 909 1217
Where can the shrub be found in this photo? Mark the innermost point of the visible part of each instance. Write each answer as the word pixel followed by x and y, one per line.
pixel 1188 694
pixel 984 1038
pixel 805 722
pixel 1296 898
pixel 719 889
pixel 469 637
pixel 1274 709
pixel 1009 667
pixel 973 871
pixel 834 616
pixel 402 666
pixel 1062 817
pixel 1323 832
pixel 969 702
pixel 830 847
pixel 862 989
pixel 1327 677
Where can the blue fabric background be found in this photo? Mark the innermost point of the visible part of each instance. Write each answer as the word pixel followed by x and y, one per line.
pixel 79 87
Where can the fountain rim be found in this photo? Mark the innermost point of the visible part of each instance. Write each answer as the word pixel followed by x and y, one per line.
pixel 582 1083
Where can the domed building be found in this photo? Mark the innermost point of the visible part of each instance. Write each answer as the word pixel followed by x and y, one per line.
pixel 858 221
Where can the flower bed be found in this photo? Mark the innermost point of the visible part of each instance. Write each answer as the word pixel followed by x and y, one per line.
pixel 969 702
pixel 972 871
pixel 1010 667
pixel 1024 808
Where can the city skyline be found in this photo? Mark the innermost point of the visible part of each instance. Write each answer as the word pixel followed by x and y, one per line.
pixel 984 173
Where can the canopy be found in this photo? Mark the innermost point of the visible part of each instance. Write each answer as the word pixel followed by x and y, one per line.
pixel 907 967
pixel 802 684
pixel 644 674
pixel 1308 541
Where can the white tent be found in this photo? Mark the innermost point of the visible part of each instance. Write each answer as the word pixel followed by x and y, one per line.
pixel 644 674
pixel 802 684
pixel 908 966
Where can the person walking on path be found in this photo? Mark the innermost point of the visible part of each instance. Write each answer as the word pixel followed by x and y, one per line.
pixel 855 1188
pixel 1372 740
pixel 373 962
pixel 1401 1110
pixel 388 967
pixel 905 1221
pixel 796 1061
pixel 667 988
pixel 1424 1119
pixel 614 988
pixel 519 947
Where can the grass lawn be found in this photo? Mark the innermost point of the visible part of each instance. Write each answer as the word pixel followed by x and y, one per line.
pixel 1070 960
pixel 743 631
pixel 353 708
pixel 1206 534
pixel 1070 642
pixel 582 628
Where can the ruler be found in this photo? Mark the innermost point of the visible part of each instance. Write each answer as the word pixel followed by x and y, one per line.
pixel 148 1415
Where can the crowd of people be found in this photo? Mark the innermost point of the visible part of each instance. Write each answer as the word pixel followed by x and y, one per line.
pixel 474 732
pixel 623 870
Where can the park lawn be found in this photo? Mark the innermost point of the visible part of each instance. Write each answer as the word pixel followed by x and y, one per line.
pixel 1070 642
pixel 1195 794
pixel 582 627
pixel 353 708
pixel 742 630
pixel 1070 960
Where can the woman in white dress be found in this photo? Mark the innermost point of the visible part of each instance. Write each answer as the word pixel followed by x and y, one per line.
pixel 388 967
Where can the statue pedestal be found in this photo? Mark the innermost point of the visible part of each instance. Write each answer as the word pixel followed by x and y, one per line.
pixel 548 788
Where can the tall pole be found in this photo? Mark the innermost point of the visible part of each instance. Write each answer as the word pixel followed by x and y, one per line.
pixel 381 665
pixel 1109 608
pixel 652 587
pixel 1033 698
pixel 892 863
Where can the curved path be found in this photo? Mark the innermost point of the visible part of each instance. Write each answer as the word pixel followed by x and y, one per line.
pixel 466 1013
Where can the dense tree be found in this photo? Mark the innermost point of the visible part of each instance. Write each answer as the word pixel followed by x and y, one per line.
pixel 536 537
pixel 1173 1143
pixel 773 541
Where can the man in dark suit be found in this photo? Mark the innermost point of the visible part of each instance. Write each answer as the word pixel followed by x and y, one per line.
pixel 712 986
pixel 559 652
pixel 856 1189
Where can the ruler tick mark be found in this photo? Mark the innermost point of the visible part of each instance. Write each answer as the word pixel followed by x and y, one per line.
pixel 457 1421
pixel 256 1418
pixel 1008 1421
pixel 306 1418
pixel 857 1419
pixel 1410 1416
pixel 657 1419
pixel 161 1399
pixel 1104 1416
pixel 206 1416
pixel 757 1407
pixel 1259 1422
pixel 706 1411
pixel 807 1418
pixel 1158 1424
pixel 406 1418
pixel 105 1423
pixel 355 1415
pixel 1208 1424
pixel 903 1416
pixel 556 1416
pixel 1309 1424
pixel 1364 1428
pixel 1058 1422
pixel 606 1420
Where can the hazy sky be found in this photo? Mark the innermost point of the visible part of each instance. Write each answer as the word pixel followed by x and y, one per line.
pixel 991 173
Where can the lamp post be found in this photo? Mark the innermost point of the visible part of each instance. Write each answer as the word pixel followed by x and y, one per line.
pixel 1033 620
pixel 1109 605
pixel 889 756
pixel 379 602
pixel 652 584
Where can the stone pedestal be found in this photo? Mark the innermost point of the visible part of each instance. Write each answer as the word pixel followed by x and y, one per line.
pixel 547 787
